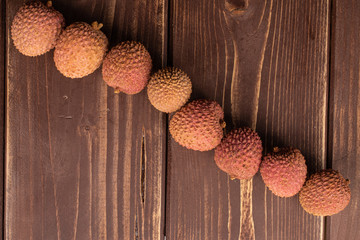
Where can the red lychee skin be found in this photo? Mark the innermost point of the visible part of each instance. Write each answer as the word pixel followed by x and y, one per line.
pixel 198 125
pixel 127 67
pixel 239 153
pixel 284 171
pixel 325 193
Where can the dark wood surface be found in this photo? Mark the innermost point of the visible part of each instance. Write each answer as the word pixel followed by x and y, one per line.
pixel 266 62
pixel 344 103
pixel 84 163
pixel 2 108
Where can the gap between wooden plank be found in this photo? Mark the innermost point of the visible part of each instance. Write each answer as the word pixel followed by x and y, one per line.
pixel 328 155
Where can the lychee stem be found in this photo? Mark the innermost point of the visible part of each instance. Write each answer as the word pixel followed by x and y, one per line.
pixel 117 91
pixel 276 149
pixel 232 178
pixel 49 4
pixel 96 25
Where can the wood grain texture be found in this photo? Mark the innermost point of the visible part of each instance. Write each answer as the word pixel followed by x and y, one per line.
pixel 2 110
pixel 81 161
pixel 344 131
pixel 266 63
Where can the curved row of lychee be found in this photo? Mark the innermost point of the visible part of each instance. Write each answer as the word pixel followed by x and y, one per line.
pixel 199 126
pixel 80 49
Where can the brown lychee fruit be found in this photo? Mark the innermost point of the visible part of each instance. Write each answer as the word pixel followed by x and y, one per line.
pixel 325 193
pixel 80 49
pixel 169 89
pixel 36 27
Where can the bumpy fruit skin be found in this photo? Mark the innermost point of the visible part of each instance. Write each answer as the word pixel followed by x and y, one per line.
pixel 80 49
pixel 325 193
pixel 284 171
pixel 35 28
pixel 127 67
pixel 198 125
pixel 239 153
pixel 169 89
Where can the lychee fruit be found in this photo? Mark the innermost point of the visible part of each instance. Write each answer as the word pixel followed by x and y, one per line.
pixel 239 153
pixel 325 193
pixel 36 27
pixel 127 67
pixel 80 49
pixel 198 125
pixel 284 171
pixel 169 89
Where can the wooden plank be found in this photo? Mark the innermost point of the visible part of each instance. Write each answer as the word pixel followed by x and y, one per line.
pixel 81 161
pixel 266 63
pixel 344 118
pixel 2 111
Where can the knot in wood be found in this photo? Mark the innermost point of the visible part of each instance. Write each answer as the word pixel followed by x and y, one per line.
pixel 236 7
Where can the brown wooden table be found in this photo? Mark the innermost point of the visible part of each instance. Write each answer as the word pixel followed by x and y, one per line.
pixel 81 162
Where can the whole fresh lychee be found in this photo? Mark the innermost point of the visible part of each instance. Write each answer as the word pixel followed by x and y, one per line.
pixel 198 125
pixel 284 171
pixel 80 49
pixel 36 27
pixel 239 153
pixel 169 89
pixel 127 67
pixel 325 193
